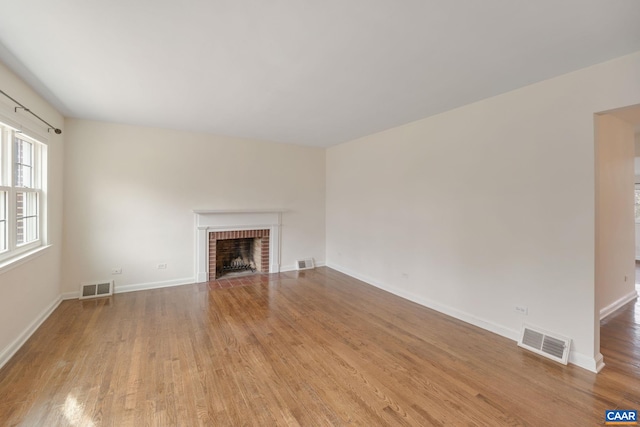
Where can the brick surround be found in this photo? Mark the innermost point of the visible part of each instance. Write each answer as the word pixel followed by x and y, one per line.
pixel 260 249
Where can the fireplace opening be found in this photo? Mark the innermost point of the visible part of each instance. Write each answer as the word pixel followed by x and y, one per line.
pixel 234 256
pixel 245 251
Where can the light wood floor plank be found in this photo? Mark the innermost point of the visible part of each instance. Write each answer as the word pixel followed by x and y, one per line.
pixel 296 349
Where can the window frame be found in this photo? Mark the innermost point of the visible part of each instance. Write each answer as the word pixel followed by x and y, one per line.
pixel 8 185
pixel 636 205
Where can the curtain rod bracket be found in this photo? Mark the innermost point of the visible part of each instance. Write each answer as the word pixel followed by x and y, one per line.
pixel 15 110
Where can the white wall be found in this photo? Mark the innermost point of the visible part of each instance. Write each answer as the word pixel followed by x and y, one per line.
pixel 485 207
pixel 130 194
pixel 615 219
pixel 30 290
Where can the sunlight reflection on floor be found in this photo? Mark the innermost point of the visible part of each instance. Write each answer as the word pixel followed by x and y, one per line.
pixel 74 413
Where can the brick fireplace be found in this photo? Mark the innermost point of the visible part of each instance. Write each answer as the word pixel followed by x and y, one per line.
pixel 215 226
pixel 225 247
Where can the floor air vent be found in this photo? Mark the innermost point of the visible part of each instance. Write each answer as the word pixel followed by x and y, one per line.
pixel 95 290
pixel 305 264
pixel 552 346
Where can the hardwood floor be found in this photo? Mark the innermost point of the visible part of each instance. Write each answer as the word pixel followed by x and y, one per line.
pixel 308 348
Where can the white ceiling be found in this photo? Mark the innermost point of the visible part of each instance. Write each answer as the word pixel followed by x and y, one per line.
pixel 304 72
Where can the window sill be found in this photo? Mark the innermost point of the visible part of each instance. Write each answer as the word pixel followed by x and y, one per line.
pixel 14 262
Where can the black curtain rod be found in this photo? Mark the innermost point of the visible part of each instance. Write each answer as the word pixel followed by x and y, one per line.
pixel 55 129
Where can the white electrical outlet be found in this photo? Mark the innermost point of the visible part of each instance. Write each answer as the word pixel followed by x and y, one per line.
pixel 117 270
pixel 162 266
pixel 522 309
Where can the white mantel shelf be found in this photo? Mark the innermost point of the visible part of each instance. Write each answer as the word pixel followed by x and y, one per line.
pixel 239 211
pixel 208 220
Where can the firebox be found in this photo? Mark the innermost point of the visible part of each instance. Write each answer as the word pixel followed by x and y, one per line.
pixel 237 251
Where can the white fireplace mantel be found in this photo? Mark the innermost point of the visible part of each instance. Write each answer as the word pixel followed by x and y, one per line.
pixel 208 220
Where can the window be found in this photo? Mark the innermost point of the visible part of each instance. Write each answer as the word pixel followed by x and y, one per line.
pixel 22 193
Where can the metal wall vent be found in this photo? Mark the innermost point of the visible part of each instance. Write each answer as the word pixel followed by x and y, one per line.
pixel 305 264
pixel 552 346
pixel 94 290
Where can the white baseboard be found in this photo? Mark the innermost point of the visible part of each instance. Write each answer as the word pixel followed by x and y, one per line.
pixel 593 364
pixel 138 287
pixel 599 362
pixel 578 359
pixel 442 308
pixel 7 353
pixel 70 295
pixel 293 267
pixel 604 312
pixel 153 285
pixel 285 268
